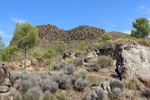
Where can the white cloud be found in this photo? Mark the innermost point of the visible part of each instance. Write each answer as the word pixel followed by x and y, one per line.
pixel 113 25
pixel 127 31
pixel 141 7
pixel 143 10
pixel 18 20
pixel 4 35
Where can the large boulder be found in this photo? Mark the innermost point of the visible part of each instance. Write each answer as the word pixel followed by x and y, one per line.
pixel 135 59
pixel 5 96
pixel 6 82
pixel 145 80
pixel 2 74
pixel 91 58
pixel 4 89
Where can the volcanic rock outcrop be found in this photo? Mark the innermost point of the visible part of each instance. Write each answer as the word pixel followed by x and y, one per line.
pixel 53 33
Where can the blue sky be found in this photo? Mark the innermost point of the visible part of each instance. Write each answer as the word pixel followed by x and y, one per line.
pixel 111 15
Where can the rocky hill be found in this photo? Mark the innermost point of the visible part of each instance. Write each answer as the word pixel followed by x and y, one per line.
pixel 53 33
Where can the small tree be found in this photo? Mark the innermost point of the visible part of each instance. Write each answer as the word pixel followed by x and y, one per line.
pixel 142 28
pixel 25 36
pixel 9 53
pixel 49 54
pixel 2 44
pixel 61 47
pixel 105 37
pixel 83 46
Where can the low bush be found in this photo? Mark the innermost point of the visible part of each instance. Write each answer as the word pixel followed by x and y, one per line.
pixel 105 38
pixel 35 53
pixel 116 93
pixel 18 84
pixel 100 94
pixel 49 54
pixel 83 74
pixel 83 46
pixel 64 81
pixel 30 80
pixel 9 53
pixel 61 96
pixel 70 69
pixel 14 75
pixel 50 85
pixel 59 65
pixel 48 97
pixel 104 61
pixel 146 92
pixel 80 84
pixel 34 93
pixel 116 84
pixel 61 47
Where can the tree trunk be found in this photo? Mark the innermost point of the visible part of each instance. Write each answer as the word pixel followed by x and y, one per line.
pixel 25 52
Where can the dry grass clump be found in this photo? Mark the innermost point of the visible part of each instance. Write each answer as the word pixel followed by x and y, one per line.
pixel 141 41
pixel 105 61
pixel 133 85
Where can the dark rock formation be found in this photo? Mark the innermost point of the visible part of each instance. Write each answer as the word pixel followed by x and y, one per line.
pixel 53 33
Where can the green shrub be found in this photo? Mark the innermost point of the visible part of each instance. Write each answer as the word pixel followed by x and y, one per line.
pixel 49 54
pixel 61 96
pixel 105 61
pixel 48 97
pixel 35 54
pixel 105 38
pixel 8 54
pixel 83 46
pixel 61 47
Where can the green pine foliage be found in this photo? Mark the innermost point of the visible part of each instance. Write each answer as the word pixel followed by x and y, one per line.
pixel 49 54
pixel 9 53
pixel 105 37
pixel 142 28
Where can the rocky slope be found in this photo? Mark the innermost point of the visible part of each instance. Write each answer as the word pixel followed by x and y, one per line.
pixel 69 77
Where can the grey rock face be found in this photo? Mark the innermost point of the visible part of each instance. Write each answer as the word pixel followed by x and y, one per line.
pixel 136 59
pixel 6 82
pixel 5 96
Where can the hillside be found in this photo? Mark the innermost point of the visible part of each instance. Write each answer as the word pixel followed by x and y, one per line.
pixel 53 33
pixel 87 74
